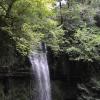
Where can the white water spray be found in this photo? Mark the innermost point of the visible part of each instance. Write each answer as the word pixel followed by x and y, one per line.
pixel 41 72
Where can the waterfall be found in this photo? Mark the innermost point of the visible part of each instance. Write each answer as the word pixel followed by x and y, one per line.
pixel 41 72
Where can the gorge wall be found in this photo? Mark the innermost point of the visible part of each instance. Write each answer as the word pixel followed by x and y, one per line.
pixel 70 80
pixel 74 80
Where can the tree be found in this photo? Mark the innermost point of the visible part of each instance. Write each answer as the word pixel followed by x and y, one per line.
pixel 27 22
pixel 79 18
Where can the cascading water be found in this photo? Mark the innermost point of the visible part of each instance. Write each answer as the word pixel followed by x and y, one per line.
pixel 41 72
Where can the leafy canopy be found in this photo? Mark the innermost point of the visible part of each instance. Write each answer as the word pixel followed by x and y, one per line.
pixel 28 22
pixel 81 34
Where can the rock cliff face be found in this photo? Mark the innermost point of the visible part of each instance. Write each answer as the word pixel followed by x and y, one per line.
pixel 70 80
pixel 16 82
pixel 74 80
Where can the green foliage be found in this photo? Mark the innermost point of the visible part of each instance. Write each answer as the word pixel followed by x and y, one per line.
pixel 55 39
pixel 82 37
pixel 85 45
pixel 28 22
